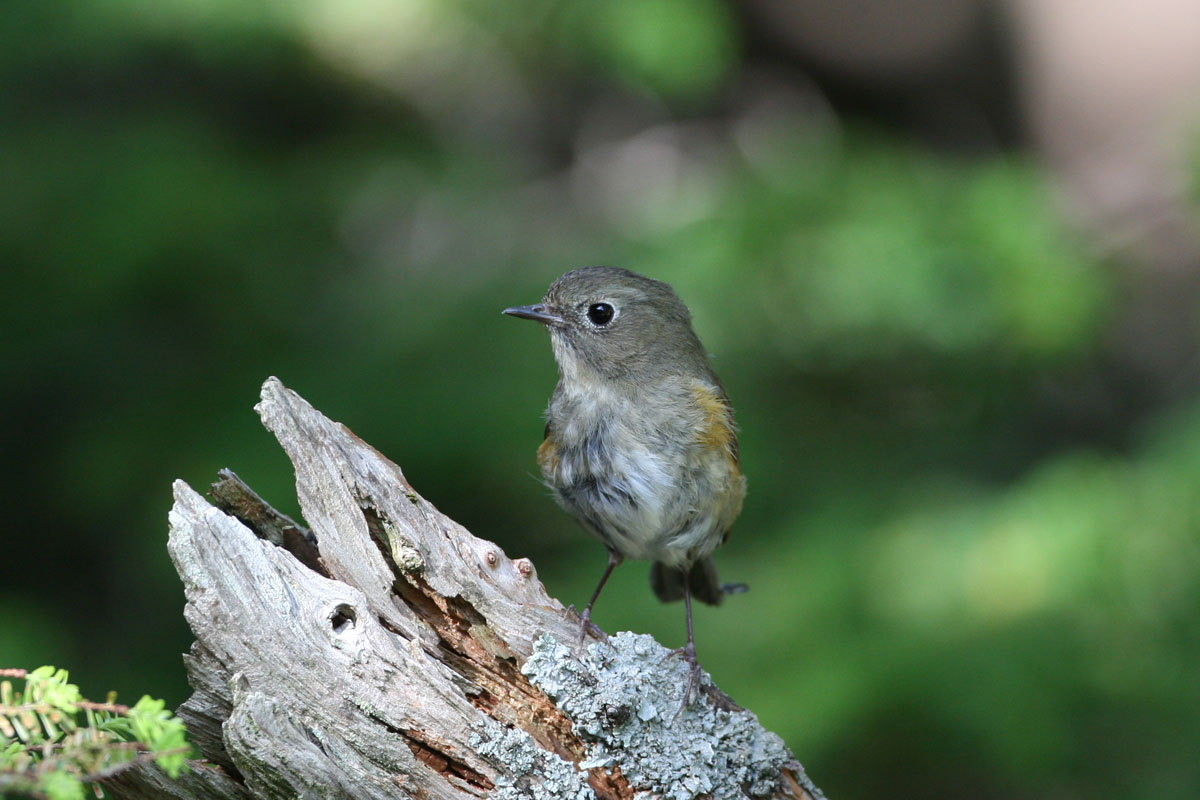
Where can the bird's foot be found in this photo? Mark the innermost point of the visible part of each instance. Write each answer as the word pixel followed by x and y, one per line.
pixel 586 625
pixel 691 692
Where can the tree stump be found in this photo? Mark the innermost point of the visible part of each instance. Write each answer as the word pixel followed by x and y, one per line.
pixel 387 653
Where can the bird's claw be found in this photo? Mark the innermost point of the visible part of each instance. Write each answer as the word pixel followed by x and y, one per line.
pixel 691 692
pixel 586 625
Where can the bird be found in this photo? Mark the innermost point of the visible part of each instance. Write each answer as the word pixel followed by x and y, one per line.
pixel 640 444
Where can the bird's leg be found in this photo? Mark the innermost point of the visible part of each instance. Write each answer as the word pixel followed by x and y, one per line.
pixel 688 651
pixel 588 626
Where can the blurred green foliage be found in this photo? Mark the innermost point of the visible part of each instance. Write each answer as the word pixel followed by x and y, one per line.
pixel 46 753
pixel 965 582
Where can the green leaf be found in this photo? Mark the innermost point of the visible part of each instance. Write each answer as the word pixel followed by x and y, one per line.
pixel 61 785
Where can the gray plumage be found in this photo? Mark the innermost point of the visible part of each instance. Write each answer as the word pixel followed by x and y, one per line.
pixel 640 444
pixel 629 437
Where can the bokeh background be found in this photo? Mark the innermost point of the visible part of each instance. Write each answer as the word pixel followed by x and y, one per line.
pixel 944 252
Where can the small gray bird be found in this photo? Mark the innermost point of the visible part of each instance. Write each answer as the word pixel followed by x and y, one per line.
pixel 640 445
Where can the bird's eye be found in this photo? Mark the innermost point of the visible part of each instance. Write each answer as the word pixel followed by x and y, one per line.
pixel 600 313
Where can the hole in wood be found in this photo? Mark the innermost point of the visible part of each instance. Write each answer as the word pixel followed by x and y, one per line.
pixel 343 618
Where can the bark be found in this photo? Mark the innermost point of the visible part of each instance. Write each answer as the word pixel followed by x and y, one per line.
pixel 387 653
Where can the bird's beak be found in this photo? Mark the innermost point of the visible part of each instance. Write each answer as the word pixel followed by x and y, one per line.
pixel 538 313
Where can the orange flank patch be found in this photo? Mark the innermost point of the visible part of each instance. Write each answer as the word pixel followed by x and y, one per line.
pixel 547 455
pixel 716 425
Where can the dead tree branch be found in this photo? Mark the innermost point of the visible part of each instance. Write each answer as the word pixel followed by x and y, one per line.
pixel 387 653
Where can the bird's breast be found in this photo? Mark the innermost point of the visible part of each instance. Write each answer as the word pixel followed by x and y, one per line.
pixel 653 479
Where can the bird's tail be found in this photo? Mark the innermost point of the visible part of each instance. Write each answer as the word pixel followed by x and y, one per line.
pixel 667 582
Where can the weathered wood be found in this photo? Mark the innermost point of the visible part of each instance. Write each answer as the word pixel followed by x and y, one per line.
pixel 231 494
pixel 405 657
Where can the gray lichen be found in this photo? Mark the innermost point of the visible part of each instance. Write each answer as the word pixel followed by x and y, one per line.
pixel 625 698
pixel 528 771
